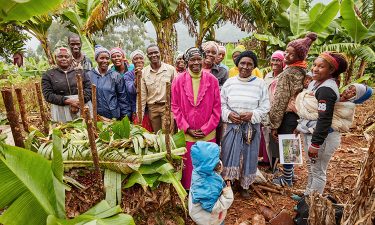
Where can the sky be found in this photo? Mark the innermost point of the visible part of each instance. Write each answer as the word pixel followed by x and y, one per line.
pixel 227 33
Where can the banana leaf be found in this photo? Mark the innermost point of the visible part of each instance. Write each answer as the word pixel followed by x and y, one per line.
pixel 101 213
pixel 352 22
pixel 112 185
pixel 179 139
pixel 28 187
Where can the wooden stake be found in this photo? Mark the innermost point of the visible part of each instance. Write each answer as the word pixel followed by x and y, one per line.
pixel 41 108
pixel 138 81
pixel 81 97
pixel 262 197
pixel 21 105
pixel 168 120
pixel 269 189
pixel 94 106
pixel 12 116
pixel 94 152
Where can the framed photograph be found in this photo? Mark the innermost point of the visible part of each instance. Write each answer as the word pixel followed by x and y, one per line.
pixel 290 149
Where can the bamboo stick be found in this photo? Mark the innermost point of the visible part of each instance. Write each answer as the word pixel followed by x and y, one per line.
pixel 262 197
pixel 12 116
pixel 94 151
pixel 41 108
pixel 138 77
pixel 81 97
pixel 21 105
pixel 168 120
pixel 94 106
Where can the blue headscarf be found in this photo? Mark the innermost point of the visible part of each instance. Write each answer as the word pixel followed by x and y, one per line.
pixel 206 184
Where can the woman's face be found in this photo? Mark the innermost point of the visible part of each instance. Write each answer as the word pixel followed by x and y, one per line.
pixel 180 63
pixel 211 54
pixel 235 56
pixel 103 61
pixel 321 70
pixel 276 65
pixel 117 59
pixel 195 63
pixel 349 92
pixel 220 56
pixel 63 59
pixel 290 56
pixel 138 61
pixel 245 67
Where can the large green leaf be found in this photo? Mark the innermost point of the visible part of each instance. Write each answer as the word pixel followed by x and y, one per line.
pixel 22 10
pixel 179 139
pixel 351 22
pixel 321 17
pixel 366 53
pixel 102 214
pixel 270 39
pixel 298 18
pixel 27 187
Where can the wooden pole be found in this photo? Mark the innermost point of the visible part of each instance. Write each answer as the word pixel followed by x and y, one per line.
pixel 94 106
pixel 12 116
pixel 262 197
pixel 21 105
pixel 94 152
pixel 81 97
pixel 168 120
pixel 138 77
pixel 41 108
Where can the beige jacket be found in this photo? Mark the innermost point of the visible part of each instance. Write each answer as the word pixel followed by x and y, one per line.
pixel 219 211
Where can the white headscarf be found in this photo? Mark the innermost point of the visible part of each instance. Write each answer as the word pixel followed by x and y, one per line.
pixel 360 90
pixel 136 52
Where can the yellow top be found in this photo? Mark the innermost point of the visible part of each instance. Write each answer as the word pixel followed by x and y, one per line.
pixel 234 72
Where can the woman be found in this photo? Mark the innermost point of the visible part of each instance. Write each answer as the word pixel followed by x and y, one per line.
pixel 234 70
pixel 112 101
pixel 119 61
pixel 59 87
pixel 179 63
pixel 211 50
pixel 283 119
pixel 324 140
pixel 195 106
pixel 277 66
pixel 244 101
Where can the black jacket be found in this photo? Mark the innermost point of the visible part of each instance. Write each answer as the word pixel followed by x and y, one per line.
pixel 56 84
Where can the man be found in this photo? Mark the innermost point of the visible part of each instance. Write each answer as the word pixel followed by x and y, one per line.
pixel 79 59
pixel 220 57
pixel 153 88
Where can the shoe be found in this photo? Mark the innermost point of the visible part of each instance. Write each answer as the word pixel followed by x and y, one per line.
pixel 281 182
pixel 296 198
pixel 245 194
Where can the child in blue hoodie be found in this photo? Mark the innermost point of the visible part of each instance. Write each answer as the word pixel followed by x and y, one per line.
pixel 209 197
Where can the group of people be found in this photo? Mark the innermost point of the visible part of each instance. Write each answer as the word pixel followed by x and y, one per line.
pixel 238 109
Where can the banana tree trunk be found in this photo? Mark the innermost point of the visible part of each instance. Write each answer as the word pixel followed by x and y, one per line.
pixel 361 69
pixel 45 45
pixel 166 37
pixel 349 73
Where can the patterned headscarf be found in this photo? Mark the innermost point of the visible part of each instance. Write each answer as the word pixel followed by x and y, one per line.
pixel 100 49
pixel 58 50
pixel 117 50
pixel 192 51
pixel 136 52
pixel 210 44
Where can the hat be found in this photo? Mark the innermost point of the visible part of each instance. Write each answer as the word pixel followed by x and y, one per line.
pixel 249 54
pixel 100 49
pixel 136 52
pixel 302 45
pixel 239 48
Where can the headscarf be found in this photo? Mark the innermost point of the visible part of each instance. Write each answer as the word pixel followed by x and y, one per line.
pixel 239 48
pixel 192 51
pixel 279 55
pixel 136 52
pixel 336 60
pixel 58 50
pixel 117 50
pixel 223 48
pixel 210 44
pixel 362 93
pixel 249 54
pixel 100 49
pixel 178 55
pixel 302 45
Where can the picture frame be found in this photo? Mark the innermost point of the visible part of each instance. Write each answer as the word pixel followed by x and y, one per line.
pixel 290 149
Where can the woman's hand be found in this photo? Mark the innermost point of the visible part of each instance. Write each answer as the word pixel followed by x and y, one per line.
pixel 246 116
pixel 72 102
pixel 199 133
pixel 313 152
pixel 190 132
pixel 275 134
pixel 235 118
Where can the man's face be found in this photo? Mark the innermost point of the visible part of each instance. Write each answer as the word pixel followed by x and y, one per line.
pixel 153 54
pixel 75 45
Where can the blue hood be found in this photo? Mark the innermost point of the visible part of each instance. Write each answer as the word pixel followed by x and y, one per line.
pixel 206 184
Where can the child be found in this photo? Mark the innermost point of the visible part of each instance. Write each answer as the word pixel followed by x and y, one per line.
pixel 356 93
pixel 209 197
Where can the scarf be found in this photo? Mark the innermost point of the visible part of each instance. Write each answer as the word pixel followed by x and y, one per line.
pixel 302 64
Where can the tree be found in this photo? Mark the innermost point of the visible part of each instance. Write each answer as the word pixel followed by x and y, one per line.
pixel 163 15
pixel 12 40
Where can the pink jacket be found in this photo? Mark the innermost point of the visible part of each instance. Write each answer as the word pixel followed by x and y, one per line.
pixel 205 115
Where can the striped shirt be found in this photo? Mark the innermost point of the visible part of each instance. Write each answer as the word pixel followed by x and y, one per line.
pixel 245 96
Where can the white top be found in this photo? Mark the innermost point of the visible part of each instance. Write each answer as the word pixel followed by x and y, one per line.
pixel 245 96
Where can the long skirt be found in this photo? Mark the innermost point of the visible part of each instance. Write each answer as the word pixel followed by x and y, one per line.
pixel 188 166
pixel 240 159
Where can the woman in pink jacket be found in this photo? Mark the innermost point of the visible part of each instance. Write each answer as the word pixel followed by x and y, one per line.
pixel 196 106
